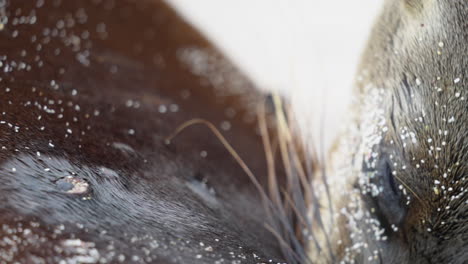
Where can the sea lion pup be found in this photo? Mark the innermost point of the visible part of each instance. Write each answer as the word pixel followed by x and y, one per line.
pixel 89 91
pixel 404 152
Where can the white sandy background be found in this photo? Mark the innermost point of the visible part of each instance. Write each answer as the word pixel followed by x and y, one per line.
pixel 307 49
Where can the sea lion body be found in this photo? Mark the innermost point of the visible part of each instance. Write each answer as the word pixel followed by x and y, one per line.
pixel 89 91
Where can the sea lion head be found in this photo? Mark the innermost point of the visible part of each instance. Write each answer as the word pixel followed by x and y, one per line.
pixel 405 148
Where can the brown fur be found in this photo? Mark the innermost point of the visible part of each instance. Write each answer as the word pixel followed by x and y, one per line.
pixel 94 88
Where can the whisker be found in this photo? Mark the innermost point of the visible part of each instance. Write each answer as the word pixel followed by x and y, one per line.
pixel 287 210
pixel 225 143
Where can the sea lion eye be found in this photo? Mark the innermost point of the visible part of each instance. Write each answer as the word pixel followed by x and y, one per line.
pixel 389 178
pixel 390 199
pixel 386 198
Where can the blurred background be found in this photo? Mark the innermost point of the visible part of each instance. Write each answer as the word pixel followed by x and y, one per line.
pixel 306 49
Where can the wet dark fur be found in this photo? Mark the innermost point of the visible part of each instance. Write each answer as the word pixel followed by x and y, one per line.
pixel 148 201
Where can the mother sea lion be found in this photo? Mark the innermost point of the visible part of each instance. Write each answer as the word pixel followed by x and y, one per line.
pixel 89 90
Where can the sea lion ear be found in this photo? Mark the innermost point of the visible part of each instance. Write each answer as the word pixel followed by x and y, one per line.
pixel 415 6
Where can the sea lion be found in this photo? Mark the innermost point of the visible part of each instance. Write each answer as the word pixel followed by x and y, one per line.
pixel 403 154
pixel 89 92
